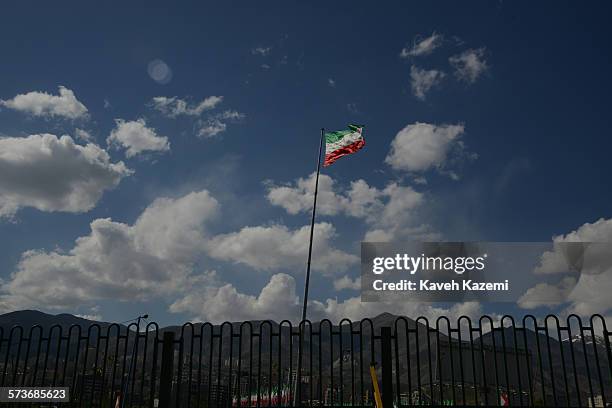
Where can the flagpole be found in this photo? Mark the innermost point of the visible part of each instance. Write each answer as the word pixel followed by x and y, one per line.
pixel 297 397
pixel 312 224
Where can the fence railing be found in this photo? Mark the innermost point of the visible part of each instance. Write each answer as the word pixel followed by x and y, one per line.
pixel 464 362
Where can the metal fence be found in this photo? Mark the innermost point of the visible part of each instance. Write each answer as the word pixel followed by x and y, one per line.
pixel 463 362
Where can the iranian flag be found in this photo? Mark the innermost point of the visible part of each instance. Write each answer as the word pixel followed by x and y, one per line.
pixel 343 142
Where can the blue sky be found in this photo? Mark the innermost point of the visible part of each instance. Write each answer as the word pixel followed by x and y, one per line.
pixel 516 95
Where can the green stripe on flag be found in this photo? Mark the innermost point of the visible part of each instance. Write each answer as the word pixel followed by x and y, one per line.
pixel 332 137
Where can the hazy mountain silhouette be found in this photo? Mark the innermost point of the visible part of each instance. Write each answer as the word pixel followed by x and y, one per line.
pixel 29 318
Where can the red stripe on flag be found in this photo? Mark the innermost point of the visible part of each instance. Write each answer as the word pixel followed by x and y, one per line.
pixel 336 154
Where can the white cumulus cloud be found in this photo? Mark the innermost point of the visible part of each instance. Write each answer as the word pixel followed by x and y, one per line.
pixel 469 65
pixel 360 199
pixel 211 128
pixel 422 46
pixel 423 80
pixel 276 247
pixel 215 124
pixel 174 106
pixel 422 146
pixel 346 282
pixel 584 288
pixel 152 257
pixel 276 301
pixel 390 213
pixel 53 173
pixel 84 135
pixel 546 294
pixel 137 138
pixel 47 105
pixel 399 218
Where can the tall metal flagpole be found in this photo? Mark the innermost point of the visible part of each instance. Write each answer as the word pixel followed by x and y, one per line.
pixel 312 223
pixel 297 397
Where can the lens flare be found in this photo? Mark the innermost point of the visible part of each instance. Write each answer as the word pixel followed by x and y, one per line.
pixel 159 71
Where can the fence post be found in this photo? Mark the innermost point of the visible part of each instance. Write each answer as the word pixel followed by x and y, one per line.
pixel 167 370
pixel 387 367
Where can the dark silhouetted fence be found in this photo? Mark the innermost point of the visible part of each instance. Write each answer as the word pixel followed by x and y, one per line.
pixel 265 364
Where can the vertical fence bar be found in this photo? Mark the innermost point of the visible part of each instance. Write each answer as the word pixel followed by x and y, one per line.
pixel 153 369
pixel 167 369
pixel 387 367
